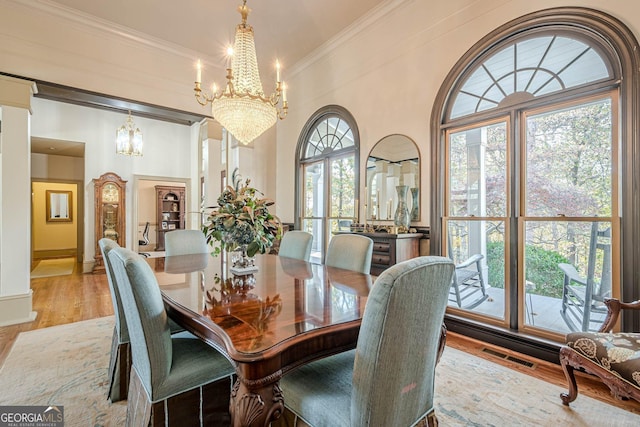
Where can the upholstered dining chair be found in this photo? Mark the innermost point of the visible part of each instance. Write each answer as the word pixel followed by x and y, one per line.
pixel 120 361
pixel 175 379
pixel 296 244
pixel 388 380
pixel 350 252
pixel 184 242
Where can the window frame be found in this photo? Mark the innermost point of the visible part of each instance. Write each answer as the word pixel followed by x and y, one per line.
pixel 301 160
pixel 618 45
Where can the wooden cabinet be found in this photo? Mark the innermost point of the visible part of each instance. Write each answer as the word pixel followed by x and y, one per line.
pixel 170 211
pixel 109 196
pixel 390 249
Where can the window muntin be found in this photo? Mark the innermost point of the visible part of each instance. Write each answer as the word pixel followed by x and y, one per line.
pixel 528 68
pixel 330 134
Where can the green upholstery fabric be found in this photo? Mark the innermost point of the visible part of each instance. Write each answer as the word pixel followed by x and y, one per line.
pixel 615 352
pixel 184 242
pixel 296 244
pixel 106 245
pixel 350 252
pixel 389 379
pixel 166 365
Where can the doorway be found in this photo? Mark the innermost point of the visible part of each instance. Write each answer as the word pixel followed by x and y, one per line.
pixel 57 202
pixel 145 238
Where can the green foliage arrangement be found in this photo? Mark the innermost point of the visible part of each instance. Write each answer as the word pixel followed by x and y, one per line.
pixel 542 268
pixel 242 217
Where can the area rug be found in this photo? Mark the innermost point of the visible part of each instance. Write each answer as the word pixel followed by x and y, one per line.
pixel 64 365
pixel 53 267
pixel 67 365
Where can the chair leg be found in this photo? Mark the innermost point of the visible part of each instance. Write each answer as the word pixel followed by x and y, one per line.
pixel 568 369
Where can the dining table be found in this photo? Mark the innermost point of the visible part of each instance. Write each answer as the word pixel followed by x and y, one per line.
pixel 267 319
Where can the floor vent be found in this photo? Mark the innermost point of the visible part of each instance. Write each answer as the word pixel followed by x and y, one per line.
pixel 505 356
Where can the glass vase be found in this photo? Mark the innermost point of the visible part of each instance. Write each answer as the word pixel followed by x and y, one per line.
pixel 402 217
pixel 415 197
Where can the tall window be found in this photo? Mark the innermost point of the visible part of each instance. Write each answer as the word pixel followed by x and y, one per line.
pixel 527 154
pixel 327 176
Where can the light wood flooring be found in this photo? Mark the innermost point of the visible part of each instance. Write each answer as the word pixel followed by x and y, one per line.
pixel 67 299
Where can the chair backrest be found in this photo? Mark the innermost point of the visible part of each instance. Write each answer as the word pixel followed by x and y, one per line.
pixel 394 370
pixel 351 252
pixel 184 242
pixel 151 346
pixel 145 235
pixel 106 245
pixel 600 241
pixel 296 244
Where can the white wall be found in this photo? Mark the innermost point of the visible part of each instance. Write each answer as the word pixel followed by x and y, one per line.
pixel 385 71
pixel 388 75
pixel 166 151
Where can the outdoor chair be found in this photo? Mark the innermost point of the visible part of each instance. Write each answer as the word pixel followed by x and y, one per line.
pixel 614 357
pixel 582 296
pixel 468 286
pixel 388 380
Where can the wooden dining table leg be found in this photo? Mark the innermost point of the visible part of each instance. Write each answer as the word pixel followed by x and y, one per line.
pixel 256 403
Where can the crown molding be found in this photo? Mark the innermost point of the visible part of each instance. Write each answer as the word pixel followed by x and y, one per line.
pixel 102 27
pixel 359 25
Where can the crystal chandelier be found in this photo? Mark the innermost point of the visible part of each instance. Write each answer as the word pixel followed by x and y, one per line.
pixel 241 106
pixel 129 139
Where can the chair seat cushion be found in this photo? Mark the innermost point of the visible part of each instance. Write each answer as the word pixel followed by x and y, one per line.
pixel 320 388
pixel 618 353
pixel 194 364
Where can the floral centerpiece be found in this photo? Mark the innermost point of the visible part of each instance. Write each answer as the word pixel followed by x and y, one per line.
pixel 242 220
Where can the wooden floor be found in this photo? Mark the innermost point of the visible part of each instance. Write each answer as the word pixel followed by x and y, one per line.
pixel 67 299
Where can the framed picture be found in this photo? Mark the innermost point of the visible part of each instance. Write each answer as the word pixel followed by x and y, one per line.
pixel 172 226
pixel 165 225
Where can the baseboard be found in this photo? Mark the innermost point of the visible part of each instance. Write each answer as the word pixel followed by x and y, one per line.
pixel 54 253
pixel 16 309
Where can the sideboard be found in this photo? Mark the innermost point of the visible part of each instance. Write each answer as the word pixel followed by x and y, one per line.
pixel 390 249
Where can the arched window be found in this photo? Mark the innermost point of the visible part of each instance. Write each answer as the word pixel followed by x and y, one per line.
pixel 529 130
pixel 327 176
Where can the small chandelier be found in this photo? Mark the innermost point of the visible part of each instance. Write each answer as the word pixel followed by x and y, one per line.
pixel 241 107
pixel 129 139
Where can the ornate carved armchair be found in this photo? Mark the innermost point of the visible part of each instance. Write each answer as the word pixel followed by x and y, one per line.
pixel 614 357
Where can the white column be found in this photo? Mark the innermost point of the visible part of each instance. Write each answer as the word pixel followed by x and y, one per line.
pixel 15 215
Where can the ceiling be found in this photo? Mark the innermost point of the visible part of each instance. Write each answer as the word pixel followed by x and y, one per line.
pixel 288 30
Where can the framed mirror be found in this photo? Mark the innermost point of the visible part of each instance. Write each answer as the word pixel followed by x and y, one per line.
pixel 59 206
pixel 393 162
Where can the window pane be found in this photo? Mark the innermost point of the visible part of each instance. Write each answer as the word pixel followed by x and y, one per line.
pixel 477 168
pixel 562 260
pixel 568 169
pixel 315 227
pixel 342 187
pixel 477 249
pixel 313 190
